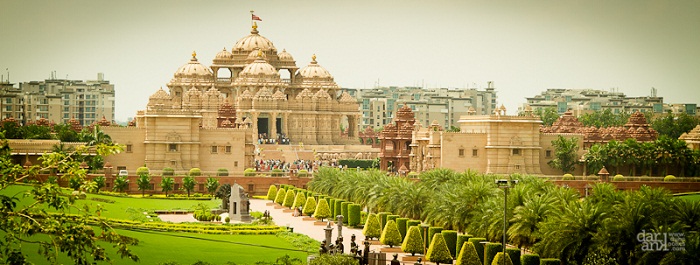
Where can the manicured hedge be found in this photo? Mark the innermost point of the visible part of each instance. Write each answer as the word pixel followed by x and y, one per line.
pixel 289 199
pixel 272 193
pixel 514 254
pixel 461 239
pixel 392 217
pixel 168 171
pixel 309 206
pixel 322 210
pixel 354 215
pixel 390 234
pixel 498 259
pixel 414 242
pixel 530 259
pixel 372 228
pixel 382 218
pixel 467 255
pixel 491 250
pixel 431 233
pixel 354 163
pixel 401 223
pixel 412 223
pixel 438 252
pixel 331 205
pixel 279 199
pixel 337 209
pixel 451 240
pixel 478 246
pixel 344 209
pixel 550 261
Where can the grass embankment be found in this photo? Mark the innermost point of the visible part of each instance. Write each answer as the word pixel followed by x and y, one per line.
pixel 155 247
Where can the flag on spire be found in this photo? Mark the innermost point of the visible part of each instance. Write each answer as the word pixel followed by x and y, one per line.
pixel 255 17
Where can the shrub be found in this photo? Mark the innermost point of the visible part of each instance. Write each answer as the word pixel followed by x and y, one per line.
pixel 412 223
pixel 272 193
pixel 372 228
pixel 476 241
pixel 168 171
pixel 550 261
pixel 432 231
pixel 322 210
pixel 354 163
pixel 249 172
pixel 289 199
pixel 461 239
pixel 142 170
pixel 222 172
pixel 618 177
pixel 390 234
pixel 412 174
pixel 382 218
pixel 299 200
pixel 337 209
pixel 195 172
pixel 451 240
pixel 354 215
pixel 309 206
pixel 490 251
pixel 392 217
pixel 302 173
pixel 344 209
pixel 514 254
pixel 530 259
pixel 669 178
pixel 331 206
pixel 363 217
pixel 326 259
pixel 279 198
pixel 567 176
pixel 414 241
pixel 468 255
pixel 401 223
pixel 498 259
pixel 438 252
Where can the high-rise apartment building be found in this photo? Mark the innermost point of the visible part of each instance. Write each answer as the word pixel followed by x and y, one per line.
pixel 586 100
pixel 444 105
pixel 58 100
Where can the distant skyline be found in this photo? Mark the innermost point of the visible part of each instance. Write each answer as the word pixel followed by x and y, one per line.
pixel 524 47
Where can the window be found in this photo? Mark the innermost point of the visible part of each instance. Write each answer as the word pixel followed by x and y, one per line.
pixel 8 100
pixel 516 152
pixel 517 166
pixel 228 149
pixel 214 149
pixel 548 153
pixel 235 163
pixel 176 186
pixel 128 148
pixel 475 152
pixel 461 152
pixel 172 147
pixel 251 188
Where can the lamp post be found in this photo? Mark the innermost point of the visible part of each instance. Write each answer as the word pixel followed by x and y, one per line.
pixel 505 185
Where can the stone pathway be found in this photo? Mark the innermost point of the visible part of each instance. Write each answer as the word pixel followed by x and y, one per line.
pixel 316 231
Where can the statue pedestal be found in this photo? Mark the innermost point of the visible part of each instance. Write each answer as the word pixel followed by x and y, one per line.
pixel 239 205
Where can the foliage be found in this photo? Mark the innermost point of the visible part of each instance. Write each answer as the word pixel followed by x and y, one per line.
pixel 222 172
pixel 514 254
pixel 530 259
pixel 550 261
pixel 121 184
pixel 432 231
pixel 279 198
pixel 476 242
pixel 168 171
pixel 224 193
pixel 272 193
pixel 345 210
pixel 468 255
pixel 302 173
pixel 674 126
pixel 490 251
pixel 382 218
pixel 669 178
pixel 309 206
pixel 188 184
pixel 498 259
pixel 438 251
pixel 211 184
pixel 100 182
pixel 372 227
pixel 334 260
pixel 414 241
pixel 565 157
pixel 618 177
pixel 289 199
pixel 354 215
pixel 402 223
pixel 299 200
pixel 167 184
pixel 461 239
pixel 567 176
pixel 548 115
pixel 355 163
pixel 390 235
pixel 195 172
pixel 144 183
pixel 450 237
pixel 142 170
pixel 249 172
pixel 605 118
pixel 322 210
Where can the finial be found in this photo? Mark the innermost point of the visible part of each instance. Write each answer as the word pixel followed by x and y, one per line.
pixel 313 58
pixel 255 26
pixel 260 54
pixel 194 54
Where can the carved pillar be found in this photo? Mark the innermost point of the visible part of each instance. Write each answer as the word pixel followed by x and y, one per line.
pixel 285 123
pixel 273 125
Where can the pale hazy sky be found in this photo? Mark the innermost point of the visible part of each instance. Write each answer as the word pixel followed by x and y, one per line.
pixel 523 46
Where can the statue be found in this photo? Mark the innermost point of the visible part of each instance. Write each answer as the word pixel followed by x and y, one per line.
pixel 366 253
pixel 353 246
pixel 395 261
pixel 339 247
pixel 323 250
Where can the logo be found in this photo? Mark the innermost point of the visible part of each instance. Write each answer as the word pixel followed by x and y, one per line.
pixel 661 241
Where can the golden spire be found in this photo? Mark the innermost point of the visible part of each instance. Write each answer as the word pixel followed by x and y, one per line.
pixel 255 28
pixel 313 58
pixel 260 54
pixel 194 54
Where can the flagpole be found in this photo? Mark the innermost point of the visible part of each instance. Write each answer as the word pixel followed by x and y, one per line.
pixel 251 17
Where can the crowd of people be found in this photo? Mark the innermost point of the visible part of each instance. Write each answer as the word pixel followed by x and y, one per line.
pixel 270 164
pixel 280 139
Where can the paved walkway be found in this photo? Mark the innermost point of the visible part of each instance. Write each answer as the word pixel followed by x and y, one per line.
pixel 316 231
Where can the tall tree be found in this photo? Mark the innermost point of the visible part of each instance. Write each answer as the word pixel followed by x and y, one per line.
pixel 212 184
pixel 144 183
pixel 188 184
pixel 565 154
pixel 167 184
pixel 674 126
pixel 548 115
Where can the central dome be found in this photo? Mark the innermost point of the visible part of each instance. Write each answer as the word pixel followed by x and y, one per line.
pixel 254 41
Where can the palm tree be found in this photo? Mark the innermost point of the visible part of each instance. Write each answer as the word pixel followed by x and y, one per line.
pixel 144 183
pixel 188 184
pixel 523 230
pixel 167 184
pixel 212 184
pixel 121 183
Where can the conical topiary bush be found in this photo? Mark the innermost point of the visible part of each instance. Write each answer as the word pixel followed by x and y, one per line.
pixel 498 259
pixel 372 227
pixel 390 235
pixel 309 206
pixel 438 251
pixel 299 200
pixel 279 199
pixel 272 193
pixel 322 210
pixel 468 255
pixel 289 199
pixel 413 243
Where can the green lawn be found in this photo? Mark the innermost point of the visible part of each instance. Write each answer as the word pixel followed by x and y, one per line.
pixel 183 248
pixel 692 197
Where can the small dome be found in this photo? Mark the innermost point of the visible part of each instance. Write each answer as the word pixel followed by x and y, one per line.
pixel 160 94
pixel 224 55
pixel 285 56
pixel 253 41
pixel 313 70
pixel 259 67
pixel 194 69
